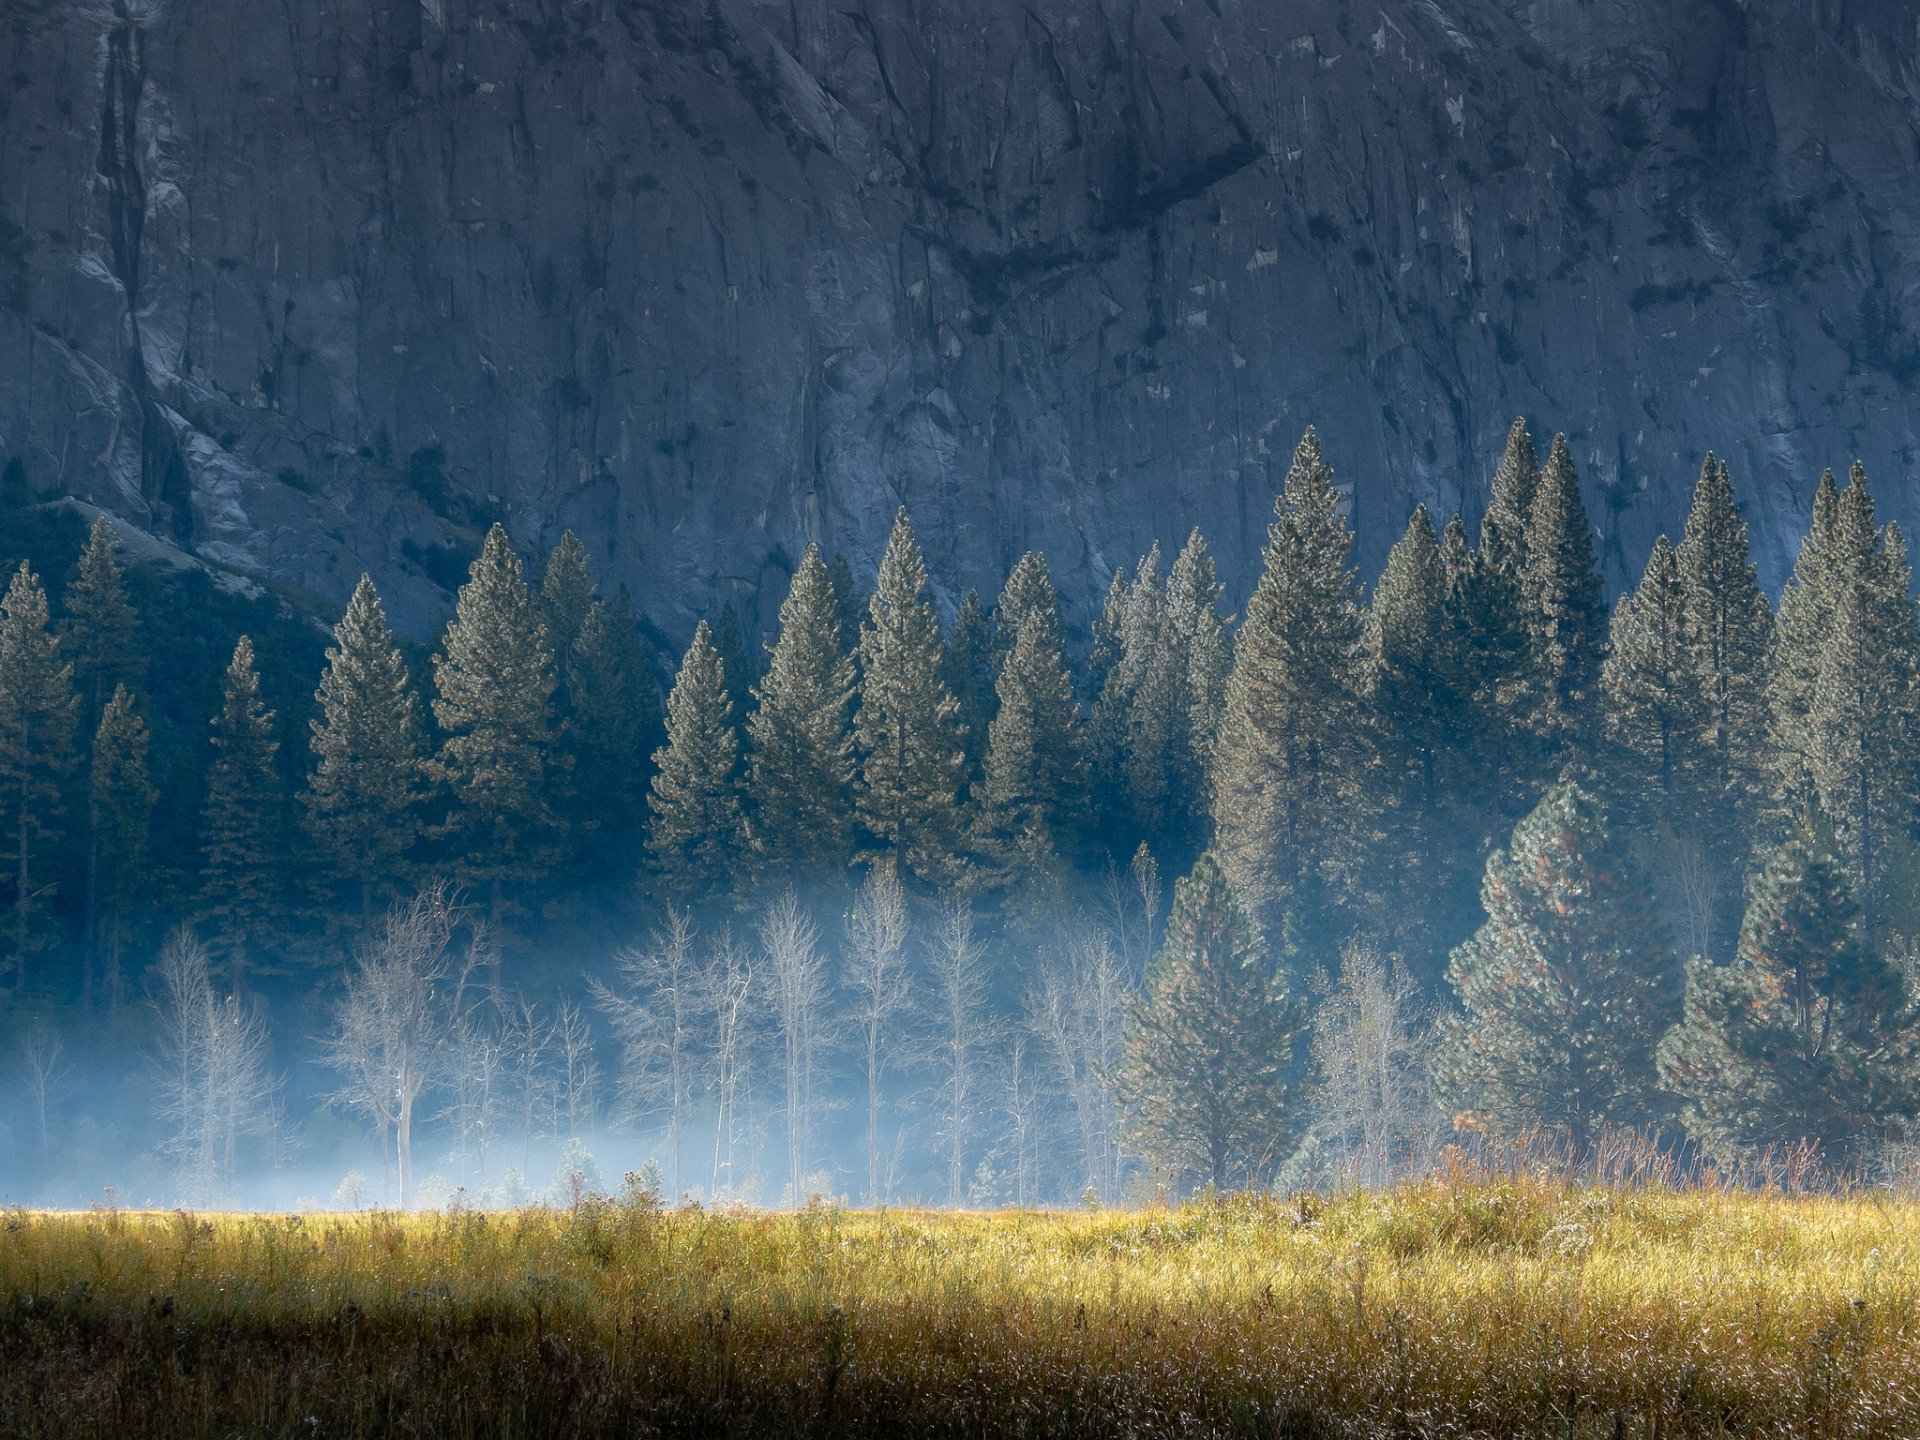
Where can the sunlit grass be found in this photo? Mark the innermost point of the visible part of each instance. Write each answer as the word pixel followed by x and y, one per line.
pixel 1501 1308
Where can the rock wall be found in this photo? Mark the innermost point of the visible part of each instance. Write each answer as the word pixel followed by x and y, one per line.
pixel 319 287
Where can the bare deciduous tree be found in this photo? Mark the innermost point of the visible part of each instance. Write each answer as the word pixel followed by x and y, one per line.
pixel 43 1072
pixel 876 977
pixel 576 1074
pixel 1373 1103
pixel 211 1060
pixel 960 1029
pixel 391 1028
pixel 726 999
pixel 1077 1010
pixel 796 981
pixel 529 1038
pixel 656 1017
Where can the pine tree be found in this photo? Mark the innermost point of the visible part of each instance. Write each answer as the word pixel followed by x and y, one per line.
pixel 1843 723
pixel 120 814
pixel 907 725
pixel 1415 706
pixel 1033 782
pixel 1421 713
pixel 1211 1042
pixel 1291 761
pixel 1864 759
pixel 37 707
pixel 846 602
pixel 1567 987
pixel 1655 711
pixel 1566 617
pixel 731 643
pixel 800 740
pixel 1193 600
pixel 242 823
pixel 967 669
pixel 1800 629
pixel 566 595
pixel 1157 747
pixel 1808 1035
pixel 615 715
pixel 1729 627
pixel 1029 590
pixel 101 631
pixel 363 797
pixel 495 683
pixel 1503 529
pixel 695 826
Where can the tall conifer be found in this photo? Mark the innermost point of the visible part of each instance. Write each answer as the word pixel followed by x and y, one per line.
pixel 1211 1042
pixel 1566 618
pixel 100 634
pixel 242 822
pixel 695 829
pixel 1567 987
pixel 906 728
pixel 800 740
pixel 1290 767
pixel 363 797
pixel 1809 1034
pixel 37 707
pixel 495 683
pixel 120 813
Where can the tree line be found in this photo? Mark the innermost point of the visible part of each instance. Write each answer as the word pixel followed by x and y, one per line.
pixel 1464 852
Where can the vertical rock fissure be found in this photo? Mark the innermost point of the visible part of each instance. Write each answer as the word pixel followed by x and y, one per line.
pixel 163 474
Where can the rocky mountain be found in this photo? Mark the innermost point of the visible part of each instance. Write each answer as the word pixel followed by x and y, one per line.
pixel 322 286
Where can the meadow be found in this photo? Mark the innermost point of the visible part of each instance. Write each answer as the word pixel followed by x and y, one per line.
pixel 1500 1307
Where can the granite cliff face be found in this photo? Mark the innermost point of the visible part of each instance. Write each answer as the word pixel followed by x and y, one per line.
pixel 318 287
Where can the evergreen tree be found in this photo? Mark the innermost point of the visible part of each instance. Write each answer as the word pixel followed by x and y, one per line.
pixel 566 596
pixel 242 823
pixel 1864 758
pixel 907 725
pixel 967 668
pixel 1211 1042
pixel 495 683
pixel 1157 744
pixel 120 813
pixel 1415 706
pixel 615 714
pixel 695 827
pixel 1729 627
pixel 800 740
pixel 1800 629
pixel 100 634
pixel 1503 529
pixel 1808 1035
pixel 1566 988
pixel 731 643
pixel 1193 600
pixel 1029 591
pixel 1566 617
pixel 1421 714
pixel 847 603
pixel 37 706
pixel 1291 761
pixel 1844 727
pixel 363 798
pixel 1654 708
pixel 1033 781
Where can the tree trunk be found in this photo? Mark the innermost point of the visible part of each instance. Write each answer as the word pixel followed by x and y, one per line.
pixel 405 1134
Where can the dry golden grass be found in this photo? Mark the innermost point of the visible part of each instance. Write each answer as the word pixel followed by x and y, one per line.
pixel 1508 1308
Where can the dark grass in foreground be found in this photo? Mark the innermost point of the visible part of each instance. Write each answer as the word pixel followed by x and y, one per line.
pixel 1497 1308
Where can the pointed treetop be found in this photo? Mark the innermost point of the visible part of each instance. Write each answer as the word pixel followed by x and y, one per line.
pixel 566 593
pixel 1503 531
